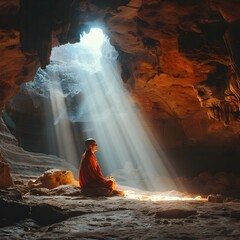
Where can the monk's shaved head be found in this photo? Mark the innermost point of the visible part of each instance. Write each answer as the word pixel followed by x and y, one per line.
pixel 90 141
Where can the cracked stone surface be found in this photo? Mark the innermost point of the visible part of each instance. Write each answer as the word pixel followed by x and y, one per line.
pixel 123 218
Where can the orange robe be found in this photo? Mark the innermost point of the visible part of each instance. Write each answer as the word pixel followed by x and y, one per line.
pixel 90 175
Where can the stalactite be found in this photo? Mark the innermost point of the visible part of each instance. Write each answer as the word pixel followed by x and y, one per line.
pixel 227 109
pixel 36 29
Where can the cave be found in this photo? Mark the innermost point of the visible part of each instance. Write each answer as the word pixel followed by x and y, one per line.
pixel 160 95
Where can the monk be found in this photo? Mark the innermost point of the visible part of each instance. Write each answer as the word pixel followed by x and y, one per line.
pixel 90 175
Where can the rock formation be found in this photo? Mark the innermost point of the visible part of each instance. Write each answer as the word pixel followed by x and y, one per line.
pixel 5 177
pixel 54 178
pixel 180 60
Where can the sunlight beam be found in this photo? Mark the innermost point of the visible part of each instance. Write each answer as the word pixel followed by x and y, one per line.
pixel 89 70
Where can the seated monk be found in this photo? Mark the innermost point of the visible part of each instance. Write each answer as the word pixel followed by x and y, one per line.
pixel 90 175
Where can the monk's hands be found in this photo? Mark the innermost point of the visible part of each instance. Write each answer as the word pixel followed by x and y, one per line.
pixel 111 178
pixel 113 185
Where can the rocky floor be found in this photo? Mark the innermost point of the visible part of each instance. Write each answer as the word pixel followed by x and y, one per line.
pixel 68 214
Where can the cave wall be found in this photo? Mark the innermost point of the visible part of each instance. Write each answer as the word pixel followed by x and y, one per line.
pixel 179 60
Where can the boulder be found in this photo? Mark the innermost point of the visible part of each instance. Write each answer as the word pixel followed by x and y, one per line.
pixel 216 198
pixel 5 176
pixel 53 178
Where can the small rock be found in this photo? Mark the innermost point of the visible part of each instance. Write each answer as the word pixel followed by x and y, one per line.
pixel 215 198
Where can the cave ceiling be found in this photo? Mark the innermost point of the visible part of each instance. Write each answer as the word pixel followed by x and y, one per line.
pixel 179 59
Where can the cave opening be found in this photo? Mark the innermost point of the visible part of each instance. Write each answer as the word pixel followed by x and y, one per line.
pixel 80 95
